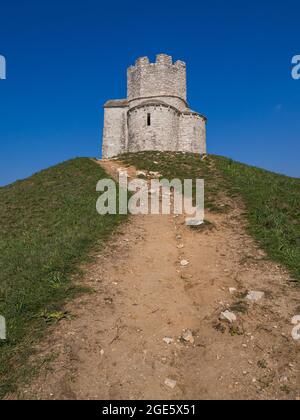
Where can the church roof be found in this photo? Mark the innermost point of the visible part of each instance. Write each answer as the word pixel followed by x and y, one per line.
pixel 191 112
pixel 116 103
pixel 153 102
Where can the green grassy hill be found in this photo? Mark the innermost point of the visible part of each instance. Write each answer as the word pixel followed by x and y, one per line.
pixel 272 201
pixel 48 225
pixel 273 209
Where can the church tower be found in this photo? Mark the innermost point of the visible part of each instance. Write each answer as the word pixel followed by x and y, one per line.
pixel 155 115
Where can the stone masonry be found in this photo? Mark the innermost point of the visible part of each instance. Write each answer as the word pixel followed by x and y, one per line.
pixel 155 115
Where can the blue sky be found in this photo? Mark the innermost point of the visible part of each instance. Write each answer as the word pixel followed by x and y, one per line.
pixel 66 58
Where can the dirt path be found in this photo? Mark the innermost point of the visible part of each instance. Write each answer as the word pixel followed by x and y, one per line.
pixel 113 348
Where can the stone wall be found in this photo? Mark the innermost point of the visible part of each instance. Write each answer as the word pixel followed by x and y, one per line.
pixel 115 131
pixel 192 133
pixel 161 134
pixel 162 78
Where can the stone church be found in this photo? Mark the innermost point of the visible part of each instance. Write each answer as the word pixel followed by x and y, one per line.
pixel 155 115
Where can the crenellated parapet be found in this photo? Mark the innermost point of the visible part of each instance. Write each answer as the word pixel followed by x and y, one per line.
pixel 160 79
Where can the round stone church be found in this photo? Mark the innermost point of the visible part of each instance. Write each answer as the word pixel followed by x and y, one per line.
pixel 155 115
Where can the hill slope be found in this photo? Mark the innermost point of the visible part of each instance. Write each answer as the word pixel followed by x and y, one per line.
pixel 271 200
pixel 153 328
pixel 48 223
pixel 48 227
pixel 273 209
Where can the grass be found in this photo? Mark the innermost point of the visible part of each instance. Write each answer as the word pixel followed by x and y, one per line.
pixel 48 226
pixel 273 209
pixel 272 201
pixel 180 166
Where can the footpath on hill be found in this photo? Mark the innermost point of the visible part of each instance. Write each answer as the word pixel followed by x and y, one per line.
pixel 152 327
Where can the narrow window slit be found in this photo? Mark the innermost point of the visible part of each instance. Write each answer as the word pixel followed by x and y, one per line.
pixel 148 120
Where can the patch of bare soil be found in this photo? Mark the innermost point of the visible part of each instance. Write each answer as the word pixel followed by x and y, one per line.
pixel 126 338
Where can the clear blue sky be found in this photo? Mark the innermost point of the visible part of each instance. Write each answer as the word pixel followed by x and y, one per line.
pixel 66 58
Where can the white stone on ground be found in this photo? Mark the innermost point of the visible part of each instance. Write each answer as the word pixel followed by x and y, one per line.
pixel 194 222
pixel 296 330
pixel 170 383
pixel 228 316
pixel 168 340
pixel 187 335
pixel 255 296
